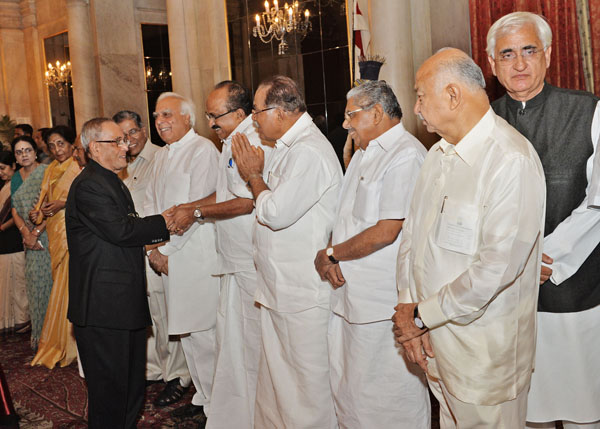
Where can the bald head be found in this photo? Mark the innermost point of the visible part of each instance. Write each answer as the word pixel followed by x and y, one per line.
pixel 450 94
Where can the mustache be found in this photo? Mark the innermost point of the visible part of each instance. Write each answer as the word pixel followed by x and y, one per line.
pixel 216 127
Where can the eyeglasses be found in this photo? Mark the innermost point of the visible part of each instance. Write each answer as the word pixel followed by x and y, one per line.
pixel 349 115
pixel 24 151
pixel 256 112
pixel 510 56
pixel 210 116
pixel 133 131
pixel 165 114
pixel 119 141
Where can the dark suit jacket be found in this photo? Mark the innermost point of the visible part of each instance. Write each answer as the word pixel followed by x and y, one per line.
pixel 107 282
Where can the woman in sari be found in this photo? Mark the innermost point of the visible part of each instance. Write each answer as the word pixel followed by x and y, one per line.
pixel 24 189
pixel 57 344
pixel 14 309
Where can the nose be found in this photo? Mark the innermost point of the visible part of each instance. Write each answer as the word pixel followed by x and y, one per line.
pixel 346 123
pixel 520 63
pixel 417 108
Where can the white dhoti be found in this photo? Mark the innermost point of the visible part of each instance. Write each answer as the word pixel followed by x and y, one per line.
pixel 238 352
pixel 373 386
pixel 165 359
pixel 293 388
pixel 566 380
pixel 455 414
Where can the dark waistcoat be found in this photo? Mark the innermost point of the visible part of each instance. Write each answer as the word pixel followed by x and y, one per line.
pixel 558 123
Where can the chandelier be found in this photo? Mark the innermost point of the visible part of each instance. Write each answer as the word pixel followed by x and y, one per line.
pixel 276 21
pixel 160 77
pixel 58 77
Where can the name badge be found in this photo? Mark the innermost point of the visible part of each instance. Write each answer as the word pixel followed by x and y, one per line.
pixel 457 227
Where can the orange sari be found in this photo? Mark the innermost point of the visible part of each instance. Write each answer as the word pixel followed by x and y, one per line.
pixel 57 343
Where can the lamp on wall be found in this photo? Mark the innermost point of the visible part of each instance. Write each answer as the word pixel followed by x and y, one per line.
pixel 276 21
pixel 58 77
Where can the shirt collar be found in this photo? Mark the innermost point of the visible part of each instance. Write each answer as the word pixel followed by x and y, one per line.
pixel 470 146
pixel 295 130
pixel 182 141
pixel 389 138
pixel 241 128
pixel 147 152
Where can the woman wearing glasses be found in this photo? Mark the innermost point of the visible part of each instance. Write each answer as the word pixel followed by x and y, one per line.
pixel 25 188
pixel 57 344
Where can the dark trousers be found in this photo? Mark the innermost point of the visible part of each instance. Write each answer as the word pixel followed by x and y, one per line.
pixel 114 363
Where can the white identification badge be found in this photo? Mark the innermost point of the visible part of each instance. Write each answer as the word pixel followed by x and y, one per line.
pixel 457 227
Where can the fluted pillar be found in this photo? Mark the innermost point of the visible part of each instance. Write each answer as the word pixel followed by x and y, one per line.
pixel 83 65
pixel 199 50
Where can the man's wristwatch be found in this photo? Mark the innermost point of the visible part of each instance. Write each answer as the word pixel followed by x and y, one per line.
pixel 418 320
pixel 329 253
pixel 198 214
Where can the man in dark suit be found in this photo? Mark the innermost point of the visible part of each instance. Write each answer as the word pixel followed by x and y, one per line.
pixel 107 287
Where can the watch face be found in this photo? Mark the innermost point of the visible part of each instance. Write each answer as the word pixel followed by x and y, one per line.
pixel 419 323
pixel 329 251
pixel 197 213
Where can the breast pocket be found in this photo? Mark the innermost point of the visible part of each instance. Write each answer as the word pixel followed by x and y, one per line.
pixel 366 205
pixel 177 190
pixel 273 179
pixel 235 184
pixel 457 227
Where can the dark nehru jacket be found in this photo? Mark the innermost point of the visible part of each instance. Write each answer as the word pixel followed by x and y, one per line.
pixel 558 123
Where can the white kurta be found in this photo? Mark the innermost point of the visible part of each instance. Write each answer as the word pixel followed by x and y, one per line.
pixel 565 384
pixel 186 171
pixel 164 358
pixel 470 256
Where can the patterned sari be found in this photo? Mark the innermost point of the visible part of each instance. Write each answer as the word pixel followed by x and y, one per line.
pixel 57 344
pixel 38 273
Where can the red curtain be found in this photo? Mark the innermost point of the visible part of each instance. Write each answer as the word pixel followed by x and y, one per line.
pixel 595 36
pixel 566 69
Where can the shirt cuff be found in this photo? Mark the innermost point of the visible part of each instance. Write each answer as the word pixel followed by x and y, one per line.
pixel 404 296
pixel 431 312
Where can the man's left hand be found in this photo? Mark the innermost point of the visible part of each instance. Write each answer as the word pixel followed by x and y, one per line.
pixel 418 350
pixel 404 323
pixel 322 263
pixel 249 159
pixel 50 208
pixel 159 262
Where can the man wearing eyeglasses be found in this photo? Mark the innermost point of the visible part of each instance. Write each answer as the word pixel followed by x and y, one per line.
pixel 164 358
pixel 228 108
pixel 564 126
pixel 295 209
pixel 186 170
pixel 360 264
pixel 107 288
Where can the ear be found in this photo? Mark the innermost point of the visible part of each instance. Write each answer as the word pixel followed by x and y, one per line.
pixel 93 148
pixel 454 93
pixel 377 113
pixel 547 53
pixel 186 119
pixel 492 64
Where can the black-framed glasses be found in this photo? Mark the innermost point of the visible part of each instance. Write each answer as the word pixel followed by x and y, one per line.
pixel 256 112
pixel 119 141
pixel 210 116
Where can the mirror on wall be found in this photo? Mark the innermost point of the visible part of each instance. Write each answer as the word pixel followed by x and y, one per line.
pixel 56 49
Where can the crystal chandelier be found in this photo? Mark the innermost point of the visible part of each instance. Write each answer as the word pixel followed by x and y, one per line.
pixel 58 77
pixel 276 21
pixel 160 78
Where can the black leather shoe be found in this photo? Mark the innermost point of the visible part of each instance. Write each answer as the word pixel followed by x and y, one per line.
pixel 188 411
pixel 172 393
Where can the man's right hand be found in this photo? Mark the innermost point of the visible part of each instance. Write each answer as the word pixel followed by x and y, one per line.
pixel 546 271
pixel 182 218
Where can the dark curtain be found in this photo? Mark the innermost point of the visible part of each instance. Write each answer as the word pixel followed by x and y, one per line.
pixel 566 69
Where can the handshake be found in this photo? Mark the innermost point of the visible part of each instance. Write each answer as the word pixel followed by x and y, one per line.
pixel 179 218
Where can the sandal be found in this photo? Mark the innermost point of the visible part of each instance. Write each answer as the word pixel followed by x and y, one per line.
pixel 171 394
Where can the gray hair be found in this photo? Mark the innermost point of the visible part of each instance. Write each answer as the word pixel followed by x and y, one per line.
pixel 92 131
pixel 283 92
pixel 513 22
pixel 124 115
pixel 375 92
pixel 187 105
pixel 463 67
